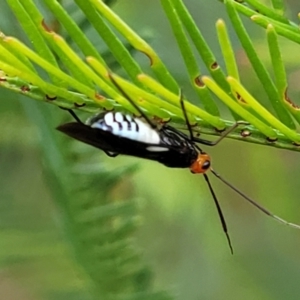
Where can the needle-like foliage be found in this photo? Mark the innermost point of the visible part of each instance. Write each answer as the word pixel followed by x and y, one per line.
pixel 61 66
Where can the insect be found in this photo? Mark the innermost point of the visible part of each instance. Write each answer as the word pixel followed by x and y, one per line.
pixel 117 133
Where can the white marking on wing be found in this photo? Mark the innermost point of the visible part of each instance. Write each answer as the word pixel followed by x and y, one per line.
pixel 109 120
pixel 131 128
pixel 156 149
pixel 100 125
pixel 119 117
pixel 146 134
pixel 128 118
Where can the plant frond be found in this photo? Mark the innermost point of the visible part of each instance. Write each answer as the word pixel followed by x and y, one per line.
pixel 74 84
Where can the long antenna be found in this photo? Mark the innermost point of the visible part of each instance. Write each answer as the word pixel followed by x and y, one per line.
pixel 220 213
pixel 221 216
pixel 261 208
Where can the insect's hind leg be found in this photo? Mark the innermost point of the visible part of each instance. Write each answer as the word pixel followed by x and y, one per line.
pixel 204 141
pixel 224 134
pixel 181 100
pixel 71 112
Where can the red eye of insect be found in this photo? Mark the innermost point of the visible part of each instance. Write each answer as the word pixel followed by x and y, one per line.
pixel 201 164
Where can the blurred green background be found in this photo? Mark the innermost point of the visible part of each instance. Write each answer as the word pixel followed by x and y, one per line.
pixel 181 236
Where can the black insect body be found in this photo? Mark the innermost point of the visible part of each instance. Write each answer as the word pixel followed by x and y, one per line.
pixel 117 133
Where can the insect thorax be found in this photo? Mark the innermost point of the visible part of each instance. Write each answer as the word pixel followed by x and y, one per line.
pixel 182 152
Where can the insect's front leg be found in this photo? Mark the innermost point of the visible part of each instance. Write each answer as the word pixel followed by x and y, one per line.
pixel 224 134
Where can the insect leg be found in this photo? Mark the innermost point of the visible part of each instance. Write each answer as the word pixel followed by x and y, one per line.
pixel 199 140
pixel 183 135
pixel 221 216
pixel 72 114
pixel 261 208
pixel 75 116
pixel 185 115
pixel 151 124
pixel 224 134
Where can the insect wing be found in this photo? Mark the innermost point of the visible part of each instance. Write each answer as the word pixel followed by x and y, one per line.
pixel 87 135
pixel 108 142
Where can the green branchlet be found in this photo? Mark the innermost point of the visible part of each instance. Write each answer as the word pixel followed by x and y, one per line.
pixel 76 87
pixel 85 84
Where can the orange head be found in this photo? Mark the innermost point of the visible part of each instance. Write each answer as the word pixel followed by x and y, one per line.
pixel 201 164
